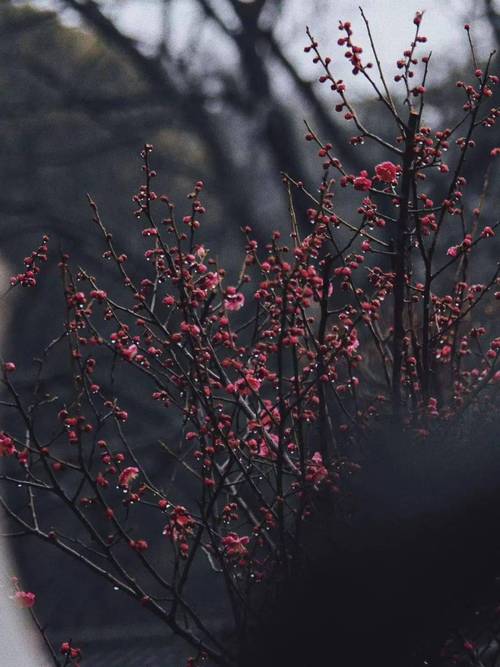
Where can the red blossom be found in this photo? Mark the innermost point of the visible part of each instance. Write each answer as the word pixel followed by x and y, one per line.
pixel 24 599
pixel 179 528
pixel 7 447
pixel 316 471
pixel 362 182
pixel 168 300
pixel 235 546
pixel 99 295
pixel 245 386
pixel 129 353
pixel 138 545
pixel 387 172
pixel 127 475
pixel 233 300
pixel 488 232
pixel 67 649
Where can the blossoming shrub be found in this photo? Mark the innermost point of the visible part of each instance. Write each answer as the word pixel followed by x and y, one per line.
pixel 273 376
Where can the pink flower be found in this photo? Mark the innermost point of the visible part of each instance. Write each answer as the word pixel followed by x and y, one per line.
pixel 72 651
pixel 452 251
pixel 362 182
pixel 191 329
pixel 7 447
pixel 316 471
pixel 387 172
pixel 353 343
pixel 428 222
pixel 495 152
pixel 245 386
pixel 22 457
pixel 444 353
pixel 212 280
pixel 235 546
pixel 264 449
pixel 24 599
pixel 127 475
pixel 233 300
pixel 181 518
pixel 129 352
pixel 201 253
pixel 487 232
pixel 179 528
pixel 99 295
pixel 138 545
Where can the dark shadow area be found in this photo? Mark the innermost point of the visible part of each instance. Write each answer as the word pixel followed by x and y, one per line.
pixel 413 563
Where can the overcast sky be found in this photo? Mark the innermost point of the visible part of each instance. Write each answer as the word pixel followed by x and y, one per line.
pixel 391 22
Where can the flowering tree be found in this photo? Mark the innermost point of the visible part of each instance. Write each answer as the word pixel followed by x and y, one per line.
pixel 273 377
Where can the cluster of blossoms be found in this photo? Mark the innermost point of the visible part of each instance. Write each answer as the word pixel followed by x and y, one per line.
pixel 180 528
pixel 28 278
pixel 385 172
pixel 72 654
pixel 7 446
pixel 273 379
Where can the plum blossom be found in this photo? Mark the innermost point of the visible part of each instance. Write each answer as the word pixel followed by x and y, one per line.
pixel 69 650
pixel 362 182
pixel 235 546
pixel 264 449
pixel 168 300
pixel 353 343
pixel 129 352
pixel 99 295
pixel 7 447
pixel 138 545
pixel 316 471
pixel 387 172
pixel 444 354
pixel 201 252
pixel 24 599
pixel 127 475
pixel 191 329
pixel 245 386
pixel 233 300
pixel 211 280
pixel 488 232
pixel 179 528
